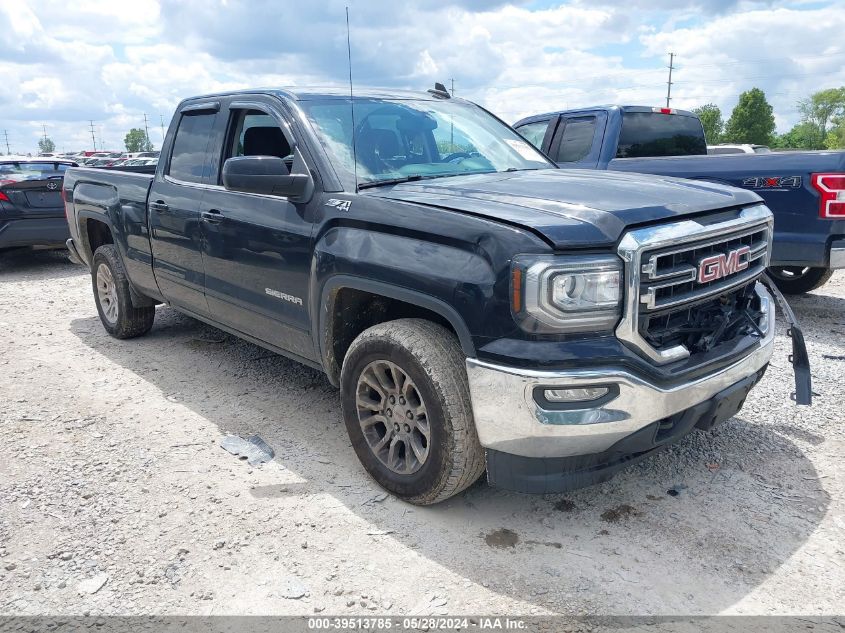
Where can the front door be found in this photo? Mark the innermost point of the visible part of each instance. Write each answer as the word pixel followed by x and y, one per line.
pixel 257 247
pixel 174 214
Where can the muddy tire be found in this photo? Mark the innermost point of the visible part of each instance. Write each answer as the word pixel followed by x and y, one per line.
pixel 796 280
pixel 406 404
pixel 113 299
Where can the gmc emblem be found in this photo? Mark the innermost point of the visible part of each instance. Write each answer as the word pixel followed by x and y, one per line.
pixel 715 267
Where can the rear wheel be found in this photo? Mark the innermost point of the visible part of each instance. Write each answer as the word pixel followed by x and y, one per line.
pixel 796 280
pixel 406 405
pixel 114 301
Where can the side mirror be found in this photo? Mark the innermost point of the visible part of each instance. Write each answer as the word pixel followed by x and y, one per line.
pixel 264 174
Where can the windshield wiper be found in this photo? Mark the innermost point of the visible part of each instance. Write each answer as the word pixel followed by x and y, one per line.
pixel 415 177
pixel 388 181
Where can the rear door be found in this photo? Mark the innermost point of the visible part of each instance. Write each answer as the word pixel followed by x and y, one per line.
pixel 578 140
pixel 258 247
pixel 174 209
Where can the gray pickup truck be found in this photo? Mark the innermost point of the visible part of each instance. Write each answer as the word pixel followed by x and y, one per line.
pixel 479 308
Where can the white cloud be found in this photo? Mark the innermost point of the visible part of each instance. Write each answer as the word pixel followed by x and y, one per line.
pixel 111 62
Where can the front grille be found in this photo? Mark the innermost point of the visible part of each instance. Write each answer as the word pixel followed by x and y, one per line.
pixel 691 284
pixel 670 275
pixel 677 308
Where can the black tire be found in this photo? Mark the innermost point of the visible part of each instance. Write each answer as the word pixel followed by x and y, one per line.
pixel 129 321
pixel 432 358
pixel 796 280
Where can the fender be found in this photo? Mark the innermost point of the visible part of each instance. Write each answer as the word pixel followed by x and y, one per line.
pixel 340 281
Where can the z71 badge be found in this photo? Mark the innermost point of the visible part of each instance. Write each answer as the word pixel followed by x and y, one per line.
pixel 773 182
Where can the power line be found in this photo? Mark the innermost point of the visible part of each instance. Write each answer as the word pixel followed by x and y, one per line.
pixel 765 59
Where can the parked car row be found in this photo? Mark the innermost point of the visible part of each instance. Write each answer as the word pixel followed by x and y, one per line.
pixel 107 159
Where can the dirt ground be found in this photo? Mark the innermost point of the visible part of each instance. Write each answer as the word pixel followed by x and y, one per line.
pixel 116 498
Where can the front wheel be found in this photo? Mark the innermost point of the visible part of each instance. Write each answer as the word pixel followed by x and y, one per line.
pixel 118 314
pixel 406 405
pixel 796 280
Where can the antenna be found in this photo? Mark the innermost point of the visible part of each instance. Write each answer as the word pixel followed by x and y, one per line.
pixel 351 102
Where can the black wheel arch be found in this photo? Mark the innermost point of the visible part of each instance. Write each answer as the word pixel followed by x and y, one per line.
pixel 326 339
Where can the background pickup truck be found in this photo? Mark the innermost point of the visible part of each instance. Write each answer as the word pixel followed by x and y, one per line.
pixel 804 190
pixel 478 307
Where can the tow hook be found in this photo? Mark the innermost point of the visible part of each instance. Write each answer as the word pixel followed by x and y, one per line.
pixel 800 360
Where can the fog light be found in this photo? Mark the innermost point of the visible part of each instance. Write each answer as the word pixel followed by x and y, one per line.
pixel 584 394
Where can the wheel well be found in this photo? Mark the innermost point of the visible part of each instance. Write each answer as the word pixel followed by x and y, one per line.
pixel 353 311
pixel 98 233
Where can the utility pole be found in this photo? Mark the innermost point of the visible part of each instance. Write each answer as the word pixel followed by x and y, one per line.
pixel 44 128
pixel 452 124
pixel 669 83
pixel 147 130
pixel 6 134
pixel 161 116
pixel 93 139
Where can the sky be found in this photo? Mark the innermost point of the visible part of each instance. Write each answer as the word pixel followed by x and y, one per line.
pixel 64 65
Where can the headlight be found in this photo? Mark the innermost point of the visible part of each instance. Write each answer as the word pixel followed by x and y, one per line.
pixel 572 294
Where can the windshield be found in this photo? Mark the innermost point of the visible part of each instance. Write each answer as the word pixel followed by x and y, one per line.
pixel 653 134
pixel 408 139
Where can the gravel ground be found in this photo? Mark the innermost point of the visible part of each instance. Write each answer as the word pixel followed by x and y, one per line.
pixel 115 497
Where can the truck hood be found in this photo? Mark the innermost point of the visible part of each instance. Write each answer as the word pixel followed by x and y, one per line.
pixel 570 208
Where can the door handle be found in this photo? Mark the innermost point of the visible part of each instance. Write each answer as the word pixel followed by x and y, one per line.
pixel 212 216
pixel 159 206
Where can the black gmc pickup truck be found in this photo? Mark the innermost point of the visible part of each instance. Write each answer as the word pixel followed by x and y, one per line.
pixel 478 307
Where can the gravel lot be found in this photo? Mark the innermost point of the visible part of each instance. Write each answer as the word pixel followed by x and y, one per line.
pixel 115 497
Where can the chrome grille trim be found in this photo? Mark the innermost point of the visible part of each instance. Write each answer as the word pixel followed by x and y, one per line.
pixel 686 235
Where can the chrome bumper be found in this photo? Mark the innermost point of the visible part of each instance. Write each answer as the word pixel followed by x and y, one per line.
pixel 837 254
pixel 508 418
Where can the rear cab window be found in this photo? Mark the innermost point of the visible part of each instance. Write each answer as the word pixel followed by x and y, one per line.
pixel 655 134
pixel 576 140
pixel 189 160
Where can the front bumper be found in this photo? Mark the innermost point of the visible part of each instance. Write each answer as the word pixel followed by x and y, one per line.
pixel 509 419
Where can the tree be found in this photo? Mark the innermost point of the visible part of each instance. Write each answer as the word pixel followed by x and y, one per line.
pixel 711 120
pixel 820 109
pixel 835 138
pixel 803 135
pixel 46 145
pixel 136 141
pixel 752 120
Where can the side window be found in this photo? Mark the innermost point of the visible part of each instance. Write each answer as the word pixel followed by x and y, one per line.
pixel 254 133
pixel 189 159
pixel 577 139
pixel 534 132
